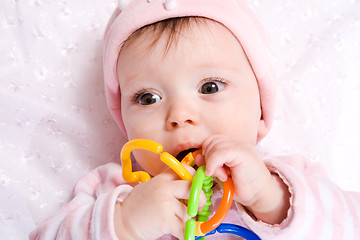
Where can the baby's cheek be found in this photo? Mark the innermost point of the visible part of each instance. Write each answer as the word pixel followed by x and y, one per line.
pixel 149 161
pixel 140 129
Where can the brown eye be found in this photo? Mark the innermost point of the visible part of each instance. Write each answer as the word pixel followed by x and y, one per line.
pixel 211 87
pixel 149 98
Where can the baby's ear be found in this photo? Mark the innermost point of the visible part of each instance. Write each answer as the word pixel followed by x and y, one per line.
pixel 262 130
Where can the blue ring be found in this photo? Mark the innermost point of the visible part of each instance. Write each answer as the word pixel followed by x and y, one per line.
pixel 233 229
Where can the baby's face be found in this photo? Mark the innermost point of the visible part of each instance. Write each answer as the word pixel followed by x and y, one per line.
pixel 202 86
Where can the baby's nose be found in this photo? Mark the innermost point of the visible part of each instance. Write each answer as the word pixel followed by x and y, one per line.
pixel 181 115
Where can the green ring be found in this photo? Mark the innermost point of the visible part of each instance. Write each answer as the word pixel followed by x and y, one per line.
pixel 190 226
pixel 195 191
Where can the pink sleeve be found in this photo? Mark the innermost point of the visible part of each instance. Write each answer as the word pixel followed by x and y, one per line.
pixel 319 209
pixel 89 215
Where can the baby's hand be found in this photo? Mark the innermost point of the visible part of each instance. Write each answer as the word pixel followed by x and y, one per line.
pixel 152 209
pixel 264 194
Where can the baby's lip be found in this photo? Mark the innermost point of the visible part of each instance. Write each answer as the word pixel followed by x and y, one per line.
pixel 182 149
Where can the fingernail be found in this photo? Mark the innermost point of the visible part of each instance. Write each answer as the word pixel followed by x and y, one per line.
pixel 223 179
pixel 198 157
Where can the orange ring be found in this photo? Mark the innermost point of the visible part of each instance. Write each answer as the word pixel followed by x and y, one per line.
pixel 223 210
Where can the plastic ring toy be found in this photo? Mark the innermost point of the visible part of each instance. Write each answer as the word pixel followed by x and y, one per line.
pixel 141 176
pixel 201 228
pixel 192 227
pixel 233 229
pixel 127 173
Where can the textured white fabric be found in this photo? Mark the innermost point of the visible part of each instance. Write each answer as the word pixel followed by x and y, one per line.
pixel 54 125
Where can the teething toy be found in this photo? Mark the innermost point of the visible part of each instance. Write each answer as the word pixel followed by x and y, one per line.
pixel 201 227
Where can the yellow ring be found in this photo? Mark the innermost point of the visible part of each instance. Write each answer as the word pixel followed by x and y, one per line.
pixel 176 166
pixel 139 176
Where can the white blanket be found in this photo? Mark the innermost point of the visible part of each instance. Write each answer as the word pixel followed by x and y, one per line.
pixel 54 124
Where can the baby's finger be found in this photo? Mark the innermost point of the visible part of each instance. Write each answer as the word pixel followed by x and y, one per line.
pixel 218 155
pixel 221 173
pixel 214 161
pixel 209 143
pixel 200 160
pixel 177 229
pixel 181 190
pixel 170 174
pixel 180 210
pixel 191 170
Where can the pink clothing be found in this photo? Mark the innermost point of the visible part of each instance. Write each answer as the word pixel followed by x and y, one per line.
pixel 319 209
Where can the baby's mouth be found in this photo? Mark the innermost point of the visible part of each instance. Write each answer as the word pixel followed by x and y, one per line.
pixel 182 154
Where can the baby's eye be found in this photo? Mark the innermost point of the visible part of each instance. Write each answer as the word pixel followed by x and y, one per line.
pixel 212 87
pixel 149 98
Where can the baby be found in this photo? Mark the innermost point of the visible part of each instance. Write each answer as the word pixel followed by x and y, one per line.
pixel 194 74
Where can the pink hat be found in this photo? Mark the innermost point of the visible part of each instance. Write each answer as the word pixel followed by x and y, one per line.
pixel 234 14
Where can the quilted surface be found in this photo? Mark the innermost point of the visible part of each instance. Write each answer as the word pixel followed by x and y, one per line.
pixel 54 124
